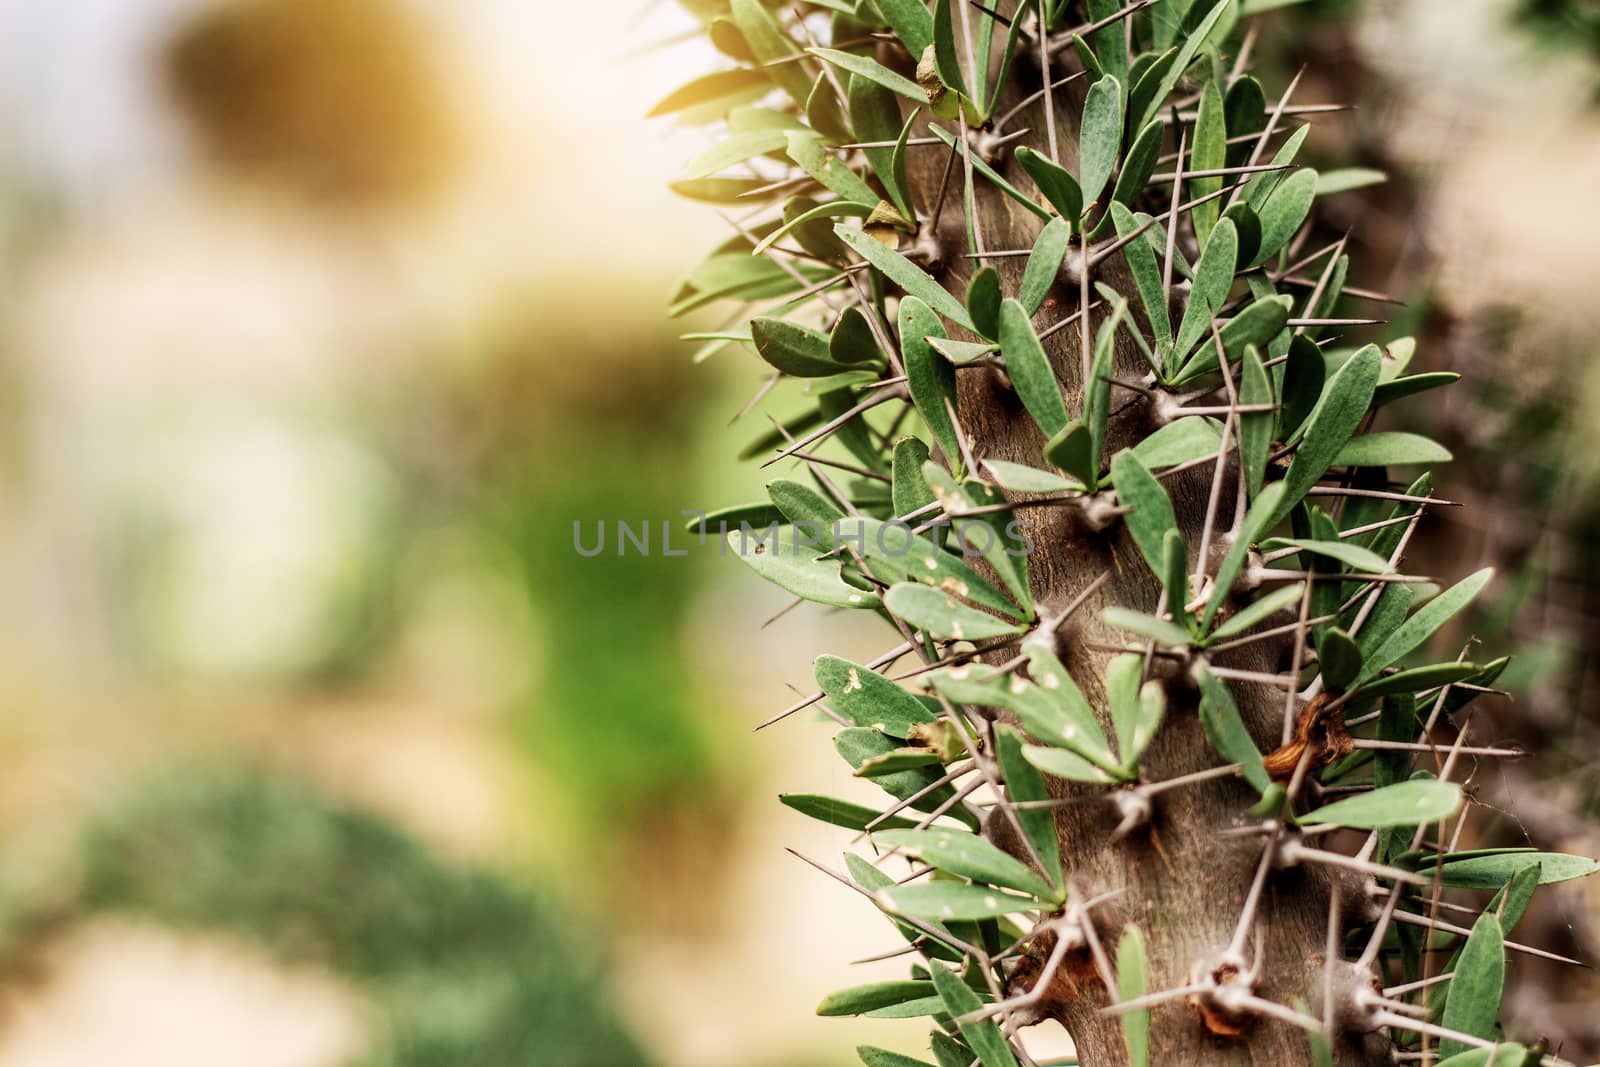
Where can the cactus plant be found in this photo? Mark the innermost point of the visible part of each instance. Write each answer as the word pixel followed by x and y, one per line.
pixel 1164 757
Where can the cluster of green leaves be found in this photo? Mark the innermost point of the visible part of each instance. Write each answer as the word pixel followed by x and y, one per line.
pixel 1232 317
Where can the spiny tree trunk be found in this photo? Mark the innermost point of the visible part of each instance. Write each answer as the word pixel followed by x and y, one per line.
pixel 1180 881
pixel 1038 854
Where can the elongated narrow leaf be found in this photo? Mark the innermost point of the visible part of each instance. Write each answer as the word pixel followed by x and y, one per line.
pixel 1148 626
pixel 1207 151
pixel 1389 448
pixel 1255 428
pixel 794 349
pixel 1136 710
pixel 1064 764
pixel 1411 803
pixel 1044 264
pixel 951 901
pixel 984 1036
pixel 1171 72
pixel 1058 186
pixel 1025 785
pixel 930 378
pixel 868 698
pixel 1146 273
pixel 1100 138
pixel 1179 441
pixel 858 1000
pixel 1256 522
pixel 969 856
pixel 871 1056
pixel 1425 622
pixel 707 87
pixel 1258 611
pixel 1283 212
pixel 1419 679
pixel 1213 277
pixel 1030 369
pixel 1493 870
pixel 1133 982
pixel 736 148
pixel 1473 1003
pixel 1345 400
pixel 836 812
pixel 1226 731
pixel 941 615
pixel 1139 165
pixel 873 71
pixel 783 556
pixel 906 274
pixel 1152 514
pixel 1353 555
pixel 1023 479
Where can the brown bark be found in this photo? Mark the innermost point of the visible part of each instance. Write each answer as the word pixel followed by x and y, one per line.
pixel 1178 880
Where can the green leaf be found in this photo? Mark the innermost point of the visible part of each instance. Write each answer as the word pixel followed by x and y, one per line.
pixel 787 560
pixel 1344 404
pixel 1409 803
pixel 984 1036
pixel 951 902
pixel 802 504
pixel 1347 178
pixel 898 761
pixel 1023 785
pixel 708 87
pixel 1338 657
pixel 805 148
pixel 983 302
pixel 858 1000
pixel 875 116
pixel 1213 277
pixel 1473 1003
pixel 1504 1054
pixel 1208 151
pixel 896 554
pixel 1100 137
pixel 930 378
pixel 867 698
pixel 1023 479
pixel 1255 428
pixel 877 1057
pixel 1152 514
pixel 1030 369
pixel 1133 982
pixel 1283 212
pixel 1360 559
pixel 1495 868
pixel 1071 721
pixel 992 175
pixel 940 615
pixel 1064 764
pixel 1058 186
pixel 1143 105
pixel 1072 449
pixel 969 856
pixel 906 274
pixel 794 349
pixel 736 148
pixel 1422 625
pixel 1148 626
pixel 1185 55
pixel 1044 264
pixel 911 21
pixel 910 492
pixel 1258 611
pixel 1257 521
pixel 1389 448
pixel 1136 710
pixel 1419 679
pixel 1400 388
pixel 873 71
pixel 838 812
pixel 1146 273
pixel 1180 441
pixel 1175 577
pixel 1226 731
pixel 772 48
pixel 944 48
pixel 1139 165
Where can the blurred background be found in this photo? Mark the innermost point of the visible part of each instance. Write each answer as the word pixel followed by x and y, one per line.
pixel 322 322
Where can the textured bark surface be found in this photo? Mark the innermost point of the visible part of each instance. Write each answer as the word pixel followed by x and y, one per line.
pixel 1178 880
